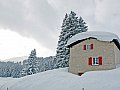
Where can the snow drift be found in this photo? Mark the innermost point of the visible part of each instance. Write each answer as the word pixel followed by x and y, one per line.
pixel 60 79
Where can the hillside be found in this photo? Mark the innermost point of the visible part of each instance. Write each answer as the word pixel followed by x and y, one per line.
pixel 60 79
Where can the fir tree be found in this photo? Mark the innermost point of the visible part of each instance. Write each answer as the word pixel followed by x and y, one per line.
pixel 71 26
pixel 31 65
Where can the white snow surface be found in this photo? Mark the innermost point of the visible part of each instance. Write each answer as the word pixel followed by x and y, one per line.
pixel 99 35
pixel 61 79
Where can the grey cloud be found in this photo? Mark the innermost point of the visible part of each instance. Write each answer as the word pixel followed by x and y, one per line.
pixel 36 19
pixel 11 13
pixel 41 19
pixel 107 14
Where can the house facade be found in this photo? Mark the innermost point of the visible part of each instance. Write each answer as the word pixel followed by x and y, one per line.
pixel 93 52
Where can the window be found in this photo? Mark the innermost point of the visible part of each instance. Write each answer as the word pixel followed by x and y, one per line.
pixel 95 61
pixel 88 47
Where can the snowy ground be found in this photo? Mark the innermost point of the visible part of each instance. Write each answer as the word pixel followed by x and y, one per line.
pixel 62 80
pixel 4 81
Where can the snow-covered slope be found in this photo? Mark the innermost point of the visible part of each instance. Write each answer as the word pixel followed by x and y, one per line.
pixel 62 80
pixel 4 81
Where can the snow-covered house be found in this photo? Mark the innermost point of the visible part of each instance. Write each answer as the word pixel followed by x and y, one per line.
pixel 92 50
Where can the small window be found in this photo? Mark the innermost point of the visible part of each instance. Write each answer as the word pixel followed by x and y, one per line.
pixel 88 47
pixel 95 61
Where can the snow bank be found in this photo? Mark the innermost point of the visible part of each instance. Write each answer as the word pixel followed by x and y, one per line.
pixel 102 36
pixel 4 81
pixel 62 80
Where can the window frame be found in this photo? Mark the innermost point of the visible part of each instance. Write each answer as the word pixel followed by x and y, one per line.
pixel 95 61
pixel 88 47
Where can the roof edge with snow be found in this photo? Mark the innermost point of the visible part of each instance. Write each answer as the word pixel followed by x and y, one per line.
pixel 102 36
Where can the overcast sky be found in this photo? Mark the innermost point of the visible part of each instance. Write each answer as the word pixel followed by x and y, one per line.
pixel 29 24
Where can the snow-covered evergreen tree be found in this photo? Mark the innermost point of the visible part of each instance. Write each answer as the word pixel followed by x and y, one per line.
pixel 16 71
pixel 10 69
pixel 31 65
pixel 71 26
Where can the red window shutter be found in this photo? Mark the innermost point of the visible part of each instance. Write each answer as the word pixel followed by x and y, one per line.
pixel 84 47
pixel 90 61
pixel 100 60
pixel 91 46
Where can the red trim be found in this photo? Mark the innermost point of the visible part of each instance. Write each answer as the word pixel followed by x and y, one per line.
pixel 90 61
pixel 84 47
pixel 91 46
pixel 100 60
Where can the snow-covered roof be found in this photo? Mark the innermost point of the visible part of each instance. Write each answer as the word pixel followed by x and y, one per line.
pixel 99 35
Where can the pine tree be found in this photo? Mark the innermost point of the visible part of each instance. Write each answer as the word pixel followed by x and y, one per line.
pixel 10 69
pixel 16 71
pixel 23 72
pixel 31 65
pixel 71 26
